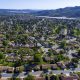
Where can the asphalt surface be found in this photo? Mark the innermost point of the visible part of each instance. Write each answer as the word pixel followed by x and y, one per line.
pixel 22 75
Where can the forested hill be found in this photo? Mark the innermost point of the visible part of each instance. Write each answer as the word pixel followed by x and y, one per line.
pixel 16 11
pixel 67 12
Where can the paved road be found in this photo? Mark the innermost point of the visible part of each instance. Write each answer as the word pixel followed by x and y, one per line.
pixel 65 71
pixel 22 75
pixel 9 75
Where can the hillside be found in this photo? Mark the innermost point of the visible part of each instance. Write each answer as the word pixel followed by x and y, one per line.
pixel 67 12
pixel 16 11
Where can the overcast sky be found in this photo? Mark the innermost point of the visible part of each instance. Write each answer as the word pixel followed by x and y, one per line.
pixel 37 4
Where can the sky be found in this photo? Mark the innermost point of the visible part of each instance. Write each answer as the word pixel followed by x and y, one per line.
pixel 37 4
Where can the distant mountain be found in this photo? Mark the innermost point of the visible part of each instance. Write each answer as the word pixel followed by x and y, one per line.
pixel 67 12
pixel 16 11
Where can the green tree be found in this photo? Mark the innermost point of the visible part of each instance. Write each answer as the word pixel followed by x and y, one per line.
pixel 60 57
pixel 1 55
pixel 37 58
pixel 0 75
pixel 79 52
pixel 53 77
pixel 74 60
pixel 63 44
pixel 5 43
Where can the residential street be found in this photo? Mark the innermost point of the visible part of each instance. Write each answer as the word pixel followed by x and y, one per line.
pixel 22 75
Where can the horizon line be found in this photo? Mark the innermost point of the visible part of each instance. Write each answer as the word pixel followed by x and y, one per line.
pixel 36 9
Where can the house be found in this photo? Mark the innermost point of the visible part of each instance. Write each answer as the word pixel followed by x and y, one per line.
pixel 61 65
pixel 36 74
pixel 54 66
pixel 6 68
pixel 1 68
pixel 39 78
pixel 48 66
pixel 42 38
pixel 72 39
pixel 1 37
pixel 46 59
pixel 28 58
pixel 26 45
pixel 1 45
pixel 11 59
pixel 73 77
pixel 63 31
pixel 39 45
pixel 46 45
pixel 31 45
pixel 12 44
pixel 46 50
pixel 36 68
pixel 59 51
pixel 55 46
pixel 10 69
